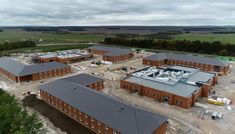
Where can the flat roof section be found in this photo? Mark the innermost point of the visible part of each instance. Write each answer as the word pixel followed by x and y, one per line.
pixel 188 58
pixel 121 116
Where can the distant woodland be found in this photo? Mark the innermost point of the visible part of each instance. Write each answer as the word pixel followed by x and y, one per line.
pixel 203 47
pixel 17 44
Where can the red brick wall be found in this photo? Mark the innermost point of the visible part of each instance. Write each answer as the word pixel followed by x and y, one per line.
pixel 45 60
pixel 205 67
pixel 8 75
pixel 117 58
pixel 159 95
pixel 99 52
pixel 161 129
pixel 51 73
pixel 77 115
pixel 97 86
pixel 37 76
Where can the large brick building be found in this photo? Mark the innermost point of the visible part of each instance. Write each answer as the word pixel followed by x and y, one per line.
pixel 19 72
pixel 204 63
pixel 101 113
pixel 62 57
pixel 174 85
pixel 112 54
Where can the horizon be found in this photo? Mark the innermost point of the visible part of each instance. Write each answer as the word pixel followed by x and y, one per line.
pixel 117 13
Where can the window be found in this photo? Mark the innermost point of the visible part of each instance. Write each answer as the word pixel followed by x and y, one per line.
pixel 106 128
pixel 92 126
pixel 176 102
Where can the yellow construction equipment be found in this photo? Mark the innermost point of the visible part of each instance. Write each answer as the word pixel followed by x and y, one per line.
pixel 215 102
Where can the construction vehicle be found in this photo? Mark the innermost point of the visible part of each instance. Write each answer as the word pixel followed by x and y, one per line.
pixel 215 102
pixel 216 115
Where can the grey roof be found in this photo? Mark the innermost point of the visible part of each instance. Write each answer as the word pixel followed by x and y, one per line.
pixel 187 57
pixel 183 87
pixel 84 79
pixel 180 88
pixel 20 69
pixel 11 65
pixel 123 117
pixel 197 75
pixel 112 51
pixel 201 77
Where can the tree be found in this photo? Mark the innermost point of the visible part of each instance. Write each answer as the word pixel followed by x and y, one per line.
pixel 14 119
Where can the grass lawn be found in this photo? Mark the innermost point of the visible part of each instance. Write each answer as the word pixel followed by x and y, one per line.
pixel 224 38
pixel 49 37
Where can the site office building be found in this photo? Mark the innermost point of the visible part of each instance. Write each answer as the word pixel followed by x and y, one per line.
pixel 203 63
pixel 112 54
pixel 20 72
pixel 181 90
pixel 99 112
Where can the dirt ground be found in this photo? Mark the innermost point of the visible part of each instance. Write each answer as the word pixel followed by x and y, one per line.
pixel 191 120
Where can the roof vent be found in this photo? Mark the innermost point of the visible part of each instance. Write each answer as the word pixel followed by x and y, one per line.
pixel 121 108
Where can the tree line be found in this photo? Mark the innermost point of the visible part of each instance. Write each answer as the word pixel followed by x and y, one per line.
pixel 197 46
pixel 14 119
pixel 17 44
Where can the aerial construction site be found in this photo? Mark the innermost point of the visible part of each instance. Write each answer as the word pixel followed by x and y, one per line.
pixel 113 90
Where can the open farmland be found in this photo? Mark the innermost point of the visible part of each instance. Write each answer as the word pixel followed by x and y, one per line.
pixel 49 37
pixel 224 38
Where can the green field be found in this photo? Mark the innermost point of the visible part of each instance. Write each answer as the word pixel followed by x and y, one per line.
pixel 224 38
pixel 49 37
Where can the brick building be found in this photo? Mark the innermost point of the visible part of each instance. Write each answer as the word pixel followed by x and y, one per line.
pixel 62 57
pixel 174 85
pixel 97 111
pixel 112 54
pixel 18 72
pixel 204 63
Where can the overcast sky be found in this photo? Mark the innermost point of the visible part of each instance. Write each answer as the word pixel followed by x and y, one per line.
pixel 117 12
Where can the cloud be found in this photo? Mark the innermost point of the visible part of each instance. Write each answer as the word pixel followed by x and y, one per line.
pixel 117 12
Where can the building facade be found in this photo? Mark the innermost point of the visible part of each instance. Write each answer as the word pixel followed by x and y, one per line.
pixel 97 111
pixel 20 72
pixel 62 57
pixel 171 86
pixel 203 63
pixel 111 54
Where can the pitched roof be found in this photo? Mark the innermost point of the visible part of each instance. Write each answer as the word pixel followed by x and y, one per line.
pixel 11 65
pixel 112 51
pixel 121 116
pixel 20 69
pixel 187 57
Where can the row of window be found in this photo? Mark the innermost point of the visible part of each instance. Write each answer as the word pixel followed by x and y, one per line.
pixel 83 118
